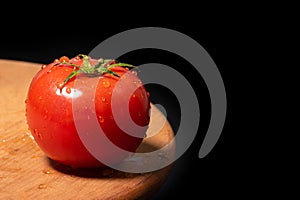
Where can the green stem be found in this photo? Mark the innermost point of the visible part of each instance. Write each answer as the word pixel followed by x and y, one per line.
pixel 101 67
pixel 122 65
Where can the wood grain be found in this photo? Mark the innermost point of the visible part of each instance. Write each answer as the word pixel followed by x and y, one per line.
pixel 26 173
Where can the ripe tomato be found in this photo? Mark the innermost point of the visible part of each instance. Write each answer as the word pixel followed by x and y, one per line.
pixel 49 108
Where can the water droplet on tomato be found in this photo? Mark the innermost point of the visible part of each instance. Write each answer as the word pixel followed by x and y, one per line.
pixel 101 119
pixel 133 96
pixel 137 83
pixel 103 99
pixel 40 98
pixel 45 117
pixel 134 72
pixel 52 68
pixel 148 94
pixel 64 59
pixel 106 84
pixel 37 133
pixel 68 90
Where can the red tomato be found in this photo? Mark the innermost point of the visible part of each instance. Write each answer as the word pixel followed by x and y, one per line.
pixel 49 110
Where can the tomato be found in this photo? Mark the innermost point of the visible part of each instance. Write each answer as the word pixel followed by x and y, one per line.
pixel 50 108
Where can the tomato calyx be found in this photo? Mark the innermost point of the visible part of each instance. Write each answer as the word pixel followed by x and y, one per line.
pixel 103 66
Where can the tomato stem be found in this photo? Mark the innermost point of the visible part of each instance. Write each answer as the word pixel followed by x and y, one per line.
pixel 101 67
pixel 122 65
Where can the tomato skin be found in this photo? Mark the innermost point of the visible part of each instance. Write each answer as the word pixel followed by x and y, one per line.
pixel 49 113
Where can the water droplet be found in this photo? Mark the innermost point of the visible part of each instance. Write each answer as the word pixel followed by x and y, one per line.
pixel 106 84
pixel 133 96
pixel 43 66
pixel 137 83
pixel 134 72
pixel 45 117
pixel 103 99
pixel 47 171
pixel 42 186
pixel 64 59
pixel 52 68
pixel 14 151
pixel 40 98
pixel 68 90
pixel 148 94
pixel 101 119
pixel 37 133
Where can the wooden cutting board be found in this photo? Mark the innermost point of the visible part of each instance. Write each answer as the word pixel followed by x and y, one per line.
pixel 26 173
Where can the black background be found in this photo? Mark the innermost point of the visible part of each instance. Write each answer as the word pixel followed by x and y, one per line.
pixel 228 168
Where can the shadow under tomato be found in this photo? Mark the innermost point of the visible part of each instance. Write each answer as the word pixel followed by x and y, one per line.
pixel 100 172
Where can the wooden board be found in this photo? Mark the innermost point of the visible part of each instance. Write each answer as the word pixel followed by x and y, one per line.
pixel 26 173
